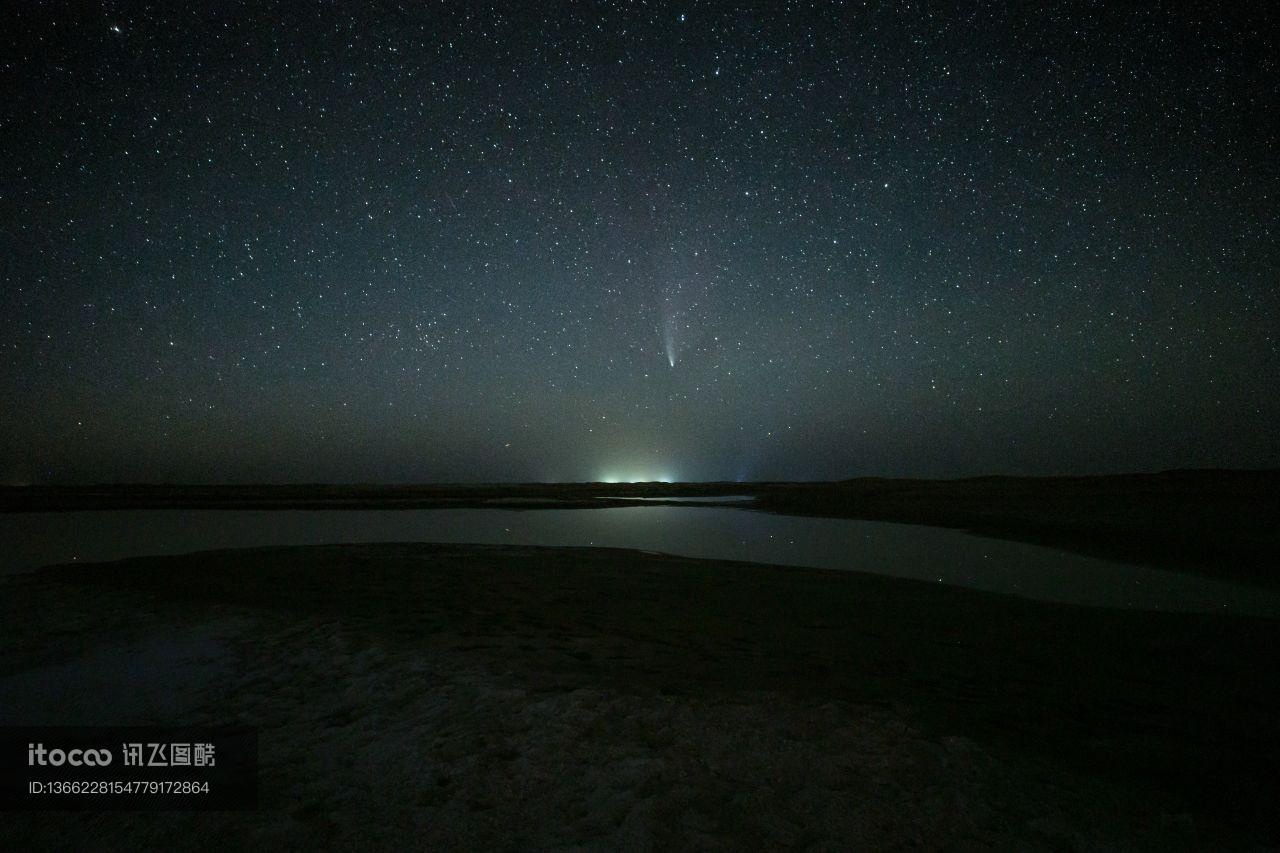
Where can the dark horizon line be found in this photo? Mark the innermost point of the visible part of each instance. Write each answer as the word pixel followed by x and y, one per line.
pixel 1254 471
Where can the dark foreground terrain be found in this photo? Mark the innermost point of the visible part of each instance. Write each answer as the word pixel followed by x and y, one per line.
pixel 484 697
pixel 1215 522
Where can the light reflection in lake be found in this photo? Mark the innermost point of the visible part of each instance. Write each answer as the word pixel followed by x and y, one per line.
pixel 28 540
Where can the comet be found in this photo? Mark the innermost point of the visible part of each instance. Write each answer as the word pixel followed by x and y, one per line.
pixel 670 326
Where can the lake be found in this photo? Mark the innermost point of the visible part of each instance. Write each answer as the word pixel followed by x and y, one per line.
pixel 932 554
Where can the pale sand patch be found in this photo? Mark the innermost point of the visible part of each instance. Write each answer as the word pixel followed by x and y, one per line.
pixel 378 737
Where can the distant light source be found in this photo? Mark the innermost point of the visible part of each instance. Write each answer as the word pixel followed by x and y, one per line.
pixel 637 477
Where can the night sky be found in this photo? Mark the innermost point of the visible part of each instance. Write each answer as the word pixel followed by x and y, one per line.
pixel 363 241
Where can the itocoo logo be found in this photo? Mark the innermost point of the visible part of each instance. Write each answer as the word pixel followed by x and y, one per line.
pixel 37 754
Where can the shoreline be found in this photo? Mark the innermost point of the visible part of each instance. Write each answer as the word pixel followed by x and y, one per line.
pixel 1218 523
pixel 1160 729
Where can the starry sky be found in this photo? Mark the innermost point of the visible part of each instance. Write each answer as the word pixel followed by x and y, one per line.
pixel 391 241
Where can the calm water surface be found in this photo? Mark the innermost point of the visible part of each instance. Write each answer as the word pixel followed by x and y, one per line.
pixel 29 540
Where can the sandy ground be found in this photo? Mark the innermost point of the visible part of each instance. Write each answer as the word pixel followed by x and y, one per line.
pixel 473 697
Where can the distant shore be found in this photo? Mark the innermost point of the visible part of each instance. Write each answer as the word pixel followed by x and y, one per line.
pixel 470 696
pixel 1215 522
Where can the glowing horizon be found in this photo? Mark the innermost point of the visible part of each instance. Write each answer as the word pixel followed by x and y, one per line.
pixel 633 477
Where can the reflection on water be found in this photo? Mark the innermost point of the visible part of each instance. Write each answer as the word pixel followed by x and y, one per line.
pixel 706 499
pixel 926 553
